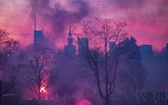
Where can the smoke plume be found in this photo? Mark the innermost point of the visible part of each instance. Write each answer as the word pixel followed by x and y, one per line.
pixel 57 16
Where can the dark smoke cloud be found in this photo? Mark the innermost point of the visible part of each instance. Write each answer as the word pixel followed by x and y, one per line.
pixel 58 16
pixel 127 3
pixel 83 10
pixel 141 11
pixel 162 8
pixel 61 16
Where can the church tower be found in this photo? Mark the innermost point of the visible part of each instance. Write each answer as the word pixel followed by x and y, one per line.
pixel 70 49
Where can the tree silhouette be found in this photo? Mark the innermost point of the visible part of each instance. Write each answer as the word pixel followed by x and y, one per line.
pixel 101 61
pixel 9 50
pixel 38 66
pixel 133 73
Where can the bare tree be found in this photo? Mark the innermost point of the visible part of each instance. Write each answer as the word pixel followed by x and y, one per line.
pixel 9 70
pixel 9 50
pixel 101 60
pixel 8 46
pixel 39 62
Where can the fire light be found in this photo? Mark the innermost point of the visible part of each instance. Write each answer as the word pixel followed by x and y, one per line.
pixel 83 102
pixel 43 90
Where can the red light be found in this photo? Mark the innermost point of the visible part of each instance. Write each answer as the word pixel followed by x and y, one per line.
pixel 43 90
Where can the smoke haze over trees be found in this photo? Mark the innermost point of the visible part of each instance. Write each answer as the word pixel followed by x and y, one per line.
pixel 110 63
pixel 52 14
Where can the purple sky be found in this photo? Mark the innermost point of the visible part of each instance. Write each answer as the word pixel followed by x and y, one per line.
pixel 147 19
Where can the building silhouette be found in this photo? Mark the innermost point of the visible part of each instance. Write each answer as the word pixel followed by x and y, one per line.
pixel 70 49
pixel 166 55
pixel 83 46
pixel 146 51
pixel 38 34
pixel 38 37
pixel 112 46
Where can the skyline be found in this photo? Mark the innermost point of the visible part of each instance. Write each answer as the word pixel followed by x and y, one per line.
pixel 147 20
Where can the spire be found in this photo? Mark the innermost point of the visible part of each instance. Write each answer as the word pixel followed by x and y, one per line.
pixel 70 32
pixel 34 13
pixel 35 20
pixel 70 40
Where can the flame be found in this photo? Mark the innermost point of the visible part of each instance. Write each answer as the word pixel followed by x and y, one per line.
pixel 43 90
pixel 83 102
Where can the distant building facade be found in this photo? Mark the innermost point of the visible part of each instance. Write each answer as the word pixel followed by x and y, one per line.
pixel 112 46
pixel 146 51
pixel 38 37
pixel 166 53
pixel 82 46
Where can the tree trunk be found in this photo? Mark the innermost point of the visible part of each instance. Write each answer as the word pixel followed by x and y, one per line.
pixel 107 100
pixel 39 97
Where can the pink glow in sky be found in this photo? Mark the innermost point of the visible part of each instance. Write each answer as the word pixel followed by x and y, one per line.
pixel 147 19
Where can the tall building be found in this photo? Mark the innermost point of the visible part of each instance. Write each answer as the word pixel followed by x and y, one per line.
pixel 146 51
pixel 38 37
pixel 70 49
pixel 38 34
pixel 167 53
pixel 112 45
pixel 82 46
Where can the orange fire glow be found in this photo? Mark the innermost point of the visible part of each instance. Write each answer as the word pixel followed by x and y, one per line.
pixel 43 90
pixel 83 102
